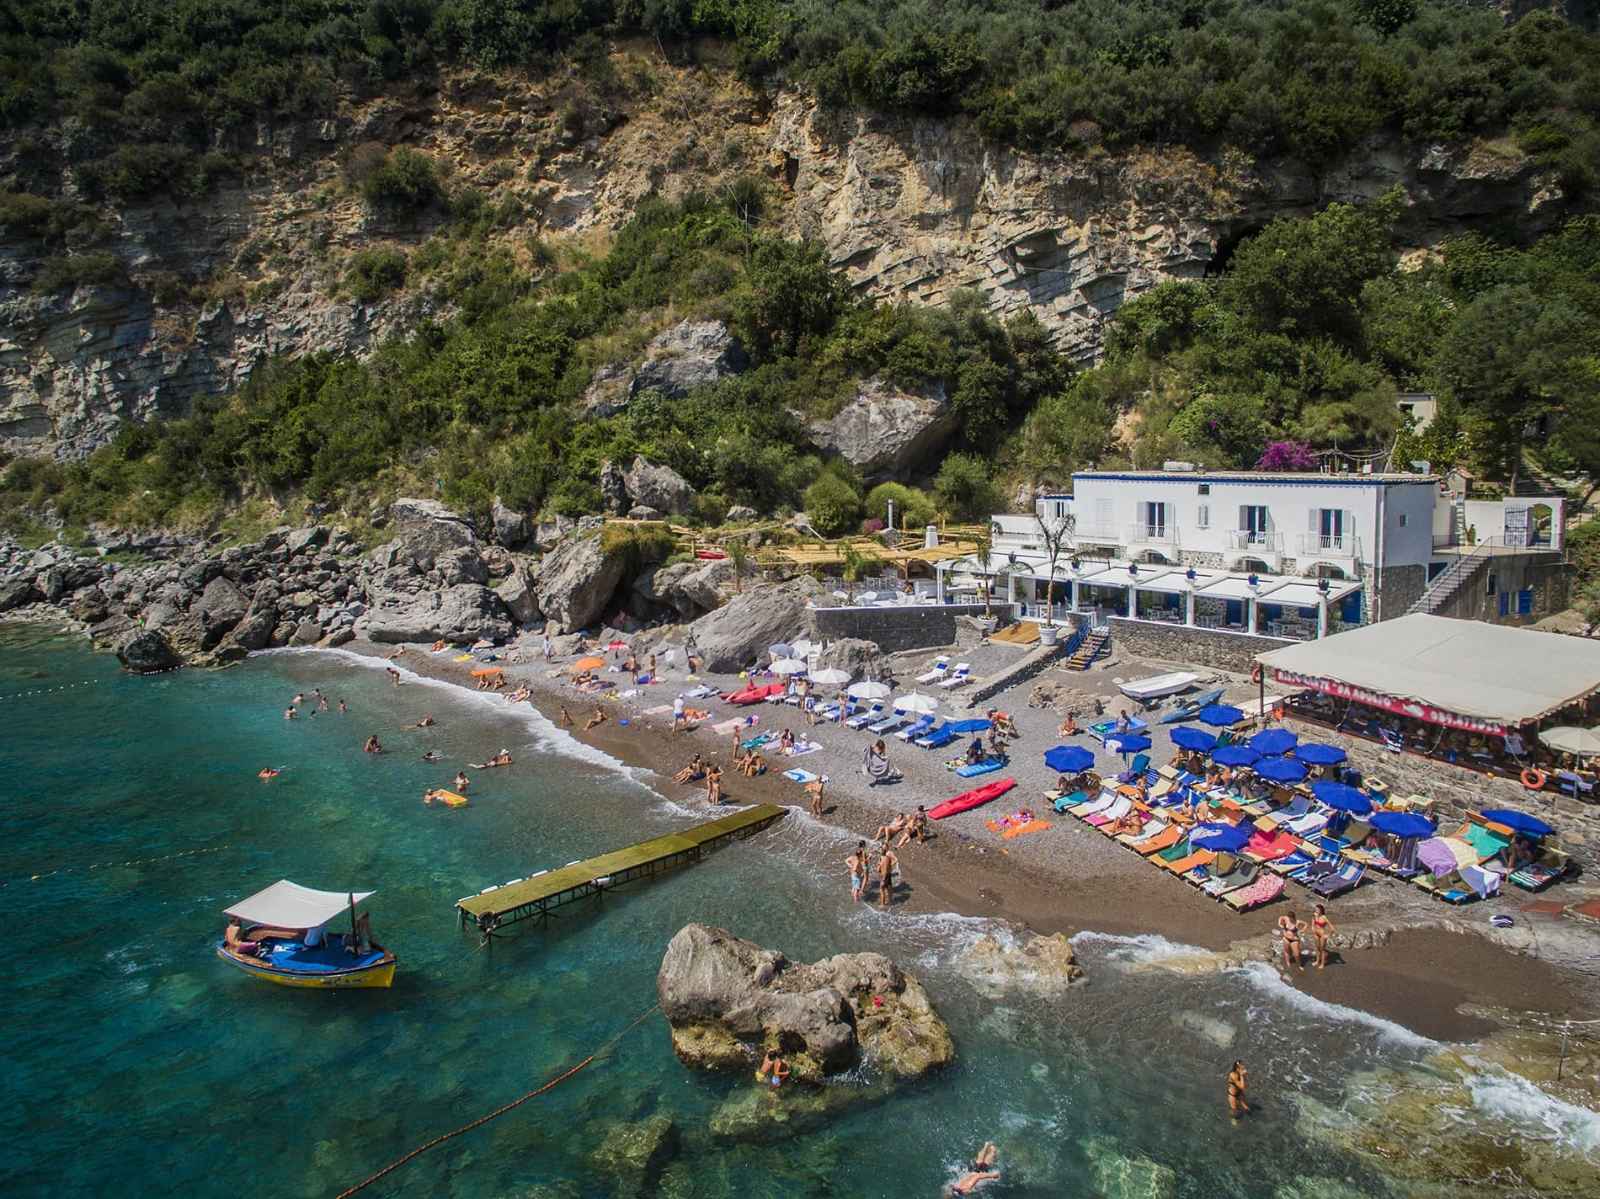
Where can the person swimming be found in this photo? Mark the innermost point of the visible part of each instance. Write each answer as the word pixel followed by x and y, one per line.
pixel 983 1168
pixel 268 772
pixel 433 755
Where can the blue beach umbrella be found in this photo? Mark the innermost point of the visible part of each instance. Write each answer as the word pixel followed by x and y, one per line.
pixel 1342 796
pixel 1280 770
pixel 1235 755
pixel 1193 739
pixel 1221 715
pixel 1314 753
pixel 1221 838
pixel 1403 824
pixel 1528 826
pixel 969 726
pixel 1069 759
pixel 1273 741
pixel 1131 744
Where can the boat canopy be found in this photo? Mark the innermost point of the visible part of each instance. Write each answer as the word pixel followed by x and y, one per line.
pixel 289 905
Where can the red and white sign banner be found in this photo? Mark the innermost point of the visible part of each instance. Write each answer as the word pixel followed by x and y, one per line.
pixel 1392 703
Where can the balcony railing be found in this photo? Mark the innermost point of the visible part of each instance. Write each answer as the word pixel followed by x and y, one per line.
pixel 1087 531
pixel 1144 533
pixel 1334 545
pixel 1257 541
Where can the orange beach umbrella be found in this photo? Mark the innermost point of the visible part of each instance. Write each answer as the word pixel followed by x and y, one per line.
pixel 588 664
pixel 484 671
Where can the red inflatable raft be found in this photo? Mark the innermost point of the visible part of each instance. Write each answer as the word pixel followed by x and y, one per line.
pixel 975 798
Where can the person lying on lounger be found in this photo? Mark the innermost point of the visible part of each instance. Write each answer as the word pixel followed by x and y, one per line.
pixel 692 773
pixel 1128 822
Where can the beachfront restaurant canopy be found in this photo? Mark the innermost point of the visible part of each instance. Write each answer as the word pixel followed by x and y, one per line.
pixel 1465 674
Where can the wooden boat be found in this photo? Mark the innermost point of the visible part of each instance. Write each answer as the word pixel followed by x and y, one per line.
pixel 281 935
pixel 1190 708
pixel 1158 685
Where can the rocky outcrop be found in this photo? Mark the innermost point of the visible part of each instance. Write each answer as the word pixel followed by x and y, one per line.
pixel 997 965
pixel 462 613
pixel 659 487
pixel 690 589
pixel 574 583
pixel 426 529
pixel 147 651
pixel 688 355
pixel 734 635
pixel 511 528
pixel 883 431
pixel 727 999
pixel 859 658
pixel 517 594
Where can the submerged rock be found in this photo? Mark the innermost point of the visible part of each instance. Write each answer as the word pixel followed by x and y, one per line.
pixel 634 1153
pixel 1117 1176
pixel 1045 965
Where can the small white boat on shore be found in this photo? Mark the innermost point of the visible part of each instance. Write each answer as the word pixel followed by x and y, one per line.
pixel 1158 685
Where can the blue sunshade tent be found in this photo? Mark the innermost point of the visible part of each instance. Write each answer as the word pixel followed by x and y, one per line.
pixel 1235 755
pixel 1069 759
pixel 1193 739
pixel 1342 796
pixel 969 726
pixel 1130 743
pixel 1528 826
pixel 1314 753
pixel 1403 824
pixel 1280 770
pixel 1273 741
pixel 1220 715
pixel 1221 838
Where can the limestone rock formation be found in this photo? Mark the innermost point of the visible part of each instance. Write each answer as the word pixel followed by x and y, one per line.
pixel 516 593
pixel 691 589
pixel 659 487
pixel 573 583
pixel 731 637
pixel 726 999
pixel 146 651
pixel 1042 965
pixel 464 612
pixel 861 658
pixel 511 528
pixel 688 355
pixel 633 1153
pixel 426 529
pixel 883 431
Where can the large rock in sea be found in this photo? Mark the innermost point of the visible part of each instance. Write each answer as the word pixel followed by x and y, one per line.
pixel 728 999
pixel 464 612
pixel 574 583
pixel 147 651
pixel 734 635
pixel 884 431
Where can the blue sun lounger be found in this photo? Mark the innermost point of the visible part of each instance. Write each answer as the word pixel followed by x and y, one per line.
pixel 939 738
pixel 919 729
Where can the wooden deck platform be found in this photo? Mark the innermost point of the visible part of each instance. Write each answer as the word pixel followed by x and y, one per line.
pixel 540 894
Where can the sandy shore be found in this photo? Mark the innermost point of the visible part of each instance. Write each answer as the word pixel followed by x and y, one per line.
pixel 1421 973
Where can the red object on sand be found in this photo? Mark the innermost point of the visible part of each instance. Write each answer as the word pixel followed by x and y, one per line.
pixel 755 695
pixel 713 555
pixel 975 798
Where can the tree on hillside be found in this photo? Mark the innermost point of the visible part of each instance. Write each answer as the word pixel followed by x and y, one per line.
pixel 790 293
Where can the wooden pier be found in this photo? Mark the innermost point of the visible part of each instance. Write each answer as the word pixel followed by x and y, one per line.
pixel 540 894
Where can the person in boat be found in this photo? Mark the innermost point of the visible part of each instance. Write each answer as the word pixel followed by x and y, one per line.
pixel 359 940
pixel 916 827
pixel 1124 721
pixel 425 723
pixel 373 745
pixel 983 1169
pixel 595 721
pixel 233 938
pixel 692 773
pixel 462 782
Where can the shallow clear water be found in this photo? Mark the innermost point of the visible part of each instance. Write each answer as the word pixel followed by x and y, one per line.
pixel 137 1063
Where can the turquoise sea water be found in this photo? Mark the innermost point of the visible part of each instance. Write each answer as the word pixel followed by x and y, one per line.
pixel 138 1064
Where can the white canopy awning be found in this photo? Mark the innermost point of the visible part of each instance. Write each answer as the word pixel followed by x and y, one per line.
pixel 289 905
pixel 1234 588
pixel 1170 581
pixel 1307 595
pixel 1489 672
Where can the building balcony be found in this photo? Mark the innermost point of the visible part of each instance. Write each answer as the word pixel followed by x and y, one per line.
pixel 1265 545
pixel 1093 534
pixel 1330 545
pixel 1148 534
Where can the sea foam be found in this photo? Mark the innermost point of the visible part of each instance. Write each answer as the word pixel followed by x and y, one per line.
pixel 1536 1113
pixel 1266 979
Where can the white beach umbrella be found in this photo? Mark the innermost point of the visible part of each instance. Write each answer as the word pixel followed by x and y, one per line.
pixel 788 666
pixel 1571 740
pixel 803 647
pixel 868 690
pixel 831 678
pixel 781 650
pixel 915 701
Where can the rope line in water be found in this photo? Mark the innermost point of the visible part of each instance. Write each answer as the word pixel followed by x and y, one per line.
pixel 50 690
pixel 168 857
pixel 503 1108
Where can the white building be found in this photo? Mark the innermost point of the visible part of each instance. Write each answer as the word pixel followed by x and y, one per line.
pixel 1272 554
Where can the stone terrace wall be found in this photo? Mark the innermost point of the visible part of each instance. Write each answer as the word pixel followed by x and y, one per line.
pixel 1456 791
pixel 1211 648
pixel 909 626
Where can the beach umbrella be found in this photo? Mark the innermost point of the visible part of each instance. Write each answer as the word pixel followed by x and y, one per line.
pixel 1314 753
pixel 968 726
pixel 1273 741
pixel 1221 715
pixel 788 666
pixel 1280 770
pixel 1341 796
pixel 1220 838
pixel 1528 826
pixel 1570 740
pixel 1235 755
pixel 1193 739
pixel 1402 824
pixel 1131 743
pixel 781 650
pixel 867 690
pixel 1069 759
pixel 831 678
pixel 915 702
pixel 588 664
pixel 803 647
pixel 866 597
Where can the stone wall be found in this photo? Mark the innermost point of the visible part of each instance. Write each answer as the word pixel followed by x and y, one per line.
pixel 1545 574
pixel 903 627
pixel 1456 791
pixel 1398 588
pixel 1211 648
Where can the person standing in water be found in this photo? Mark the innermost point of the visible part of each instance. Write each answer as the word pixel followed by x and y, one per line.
pixel 857 862
pixel 887 862
pixel 1237 1081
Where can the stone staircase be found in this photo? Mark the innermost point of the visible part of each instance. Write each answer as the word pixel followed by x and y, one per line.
pixel 1094 645
pixel 1451 579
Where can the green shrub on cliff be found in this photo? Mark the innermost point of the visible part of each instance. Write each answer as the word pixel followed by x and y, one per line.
pixel 374 273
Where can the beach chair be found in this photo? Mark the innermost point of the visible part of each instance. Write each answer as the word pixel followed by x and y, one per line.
pixel 960 675
pixel 1451 888
pixel 1182 866
pixel 1550 865
pixel 917 729
pixel 1155 842
pixel 887 725
pixel 1138 769
pixel 939 669
pixel 1347 877
pixel 870 716
pixel 1064 802
pixel 1264 890
pixel 827 711
pixel 938 738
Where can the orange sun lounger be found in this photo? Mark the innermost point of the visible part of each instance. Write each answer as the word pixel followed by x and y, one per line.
pixel 1200 857
pixel 1156 842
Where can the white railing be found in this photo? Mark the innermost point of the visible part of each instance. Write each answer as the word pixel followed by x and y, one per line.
pixel 1097 533
pixel 1260 541
pixel 1336 545
pixel 1144 533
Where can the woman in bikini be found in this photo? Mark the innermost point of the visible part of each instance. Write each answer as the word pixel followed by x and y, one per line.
pixel 1289 929
pixel 1321 930
pixel 857 862
pixel 1237 1081
pixel 692 773
pixel 713 784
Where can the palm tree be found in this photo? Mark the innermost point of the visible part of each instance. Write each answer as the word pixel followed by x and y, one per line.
pixel 985 556
pixel 1056 532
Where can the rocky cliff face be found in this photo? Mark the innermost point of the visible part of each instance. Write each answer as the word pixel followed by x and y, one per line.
pixel 911 208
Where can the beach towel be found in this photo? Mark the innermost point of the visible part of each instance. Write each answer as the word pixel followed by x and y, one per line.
pixel 1484 882
pixel 1264 890
pixel 804 747
pixel 1022 830
pixel 1486 843
pixel 1155 842
pixel 700 692
pixel 757 741
pixel 1119 807
pixel 1200 857
pixel 1067 802
pixel 1000 823
pixel 803 776
pixel 1098 804
pixel 1263 847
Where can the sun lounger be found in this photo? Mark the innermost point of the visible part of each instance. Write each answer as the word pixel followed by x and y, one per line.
pixel 1297 860
pixel 827 711
pixel 939 669
pixel 1451 888
pixel 1155 842
pixel 887 725
pixel 1119 807
pixel 960 675
pixel 1264 890
pixel 870 716
pixel 1346 878
pixel 1263 847
pixel 912 731
pixel 1064 803
pixel 983 767
pixel 1243 876
pixel 1098 803
pixel 938 739
pixel 1200 857
pixel 1151 827
pixel 1550 865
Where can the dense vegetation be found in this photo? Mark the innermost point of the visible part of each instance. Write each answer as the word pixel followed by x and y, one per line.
pixel 151 83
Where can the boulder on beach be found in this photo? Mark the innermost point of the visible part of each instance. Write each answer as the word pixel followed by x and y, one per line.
pixel 147 651
pixel 426 530
pixel 573 584
pixel 736 634
pixel 728 999
pixel 1044 965
pixel 462 613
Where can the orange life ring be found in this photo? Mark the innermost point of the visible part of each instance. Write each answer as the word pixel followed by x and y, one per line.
pixel 1534 779
pixel 1255 673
